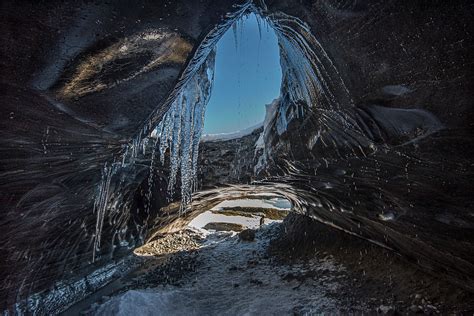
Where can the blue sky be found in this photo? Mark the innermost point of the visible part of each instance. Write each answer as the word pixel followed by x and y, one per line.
pixel 246 78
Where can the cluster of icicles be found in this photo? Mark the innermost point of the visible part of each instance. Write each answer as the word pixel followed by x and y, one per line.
pixel 178 134
pixel 181 128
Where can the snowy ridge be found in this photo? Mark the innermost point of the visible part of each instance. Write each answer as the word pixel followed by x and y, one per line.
pixel 232 135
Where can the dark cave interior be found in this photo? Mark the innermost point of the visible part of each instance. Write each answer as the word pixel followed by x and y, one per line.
pixel 102 114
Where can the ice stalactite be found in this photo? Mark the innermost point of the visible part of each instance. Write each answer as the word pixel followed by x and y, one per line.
pixel 180 130
pixel 100 205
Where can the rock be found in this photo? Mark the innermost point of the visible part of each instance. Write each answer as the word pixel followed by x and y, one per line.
pixel 247 235
pixel 385 309
pixel 224 226
pixel 416 309
pixel 288 277
pixel 256 282
pixel 430 309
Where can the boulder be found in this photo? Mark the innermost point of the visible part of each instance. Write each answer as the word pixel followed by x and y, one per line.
pixel 247 235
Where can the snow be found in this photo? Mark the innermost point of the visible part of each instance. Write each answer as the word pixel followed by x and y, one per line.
pixel 236 278
pixel 210 217
pixel 250 222
pixel 229 136
pixel 275 203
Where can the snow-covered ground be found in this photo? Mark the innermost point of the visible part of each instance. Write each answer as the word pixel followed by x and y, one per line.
pixel 249 222
pixel 236 278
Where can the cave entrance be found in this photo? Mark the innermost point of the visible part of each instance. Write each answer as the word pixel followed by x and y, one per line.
pixel 247 77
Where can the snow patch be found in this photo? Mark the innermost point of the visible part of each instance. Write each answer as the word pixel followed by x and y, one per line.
pixel 229 136
pixel 274 203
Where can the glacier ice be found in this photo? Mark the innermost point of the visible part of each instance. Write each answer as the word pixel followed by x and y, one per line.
pixel 177 132
pixel 181 128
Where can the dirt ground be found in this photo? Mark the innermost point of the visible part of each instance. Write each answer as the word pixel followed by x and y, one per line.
pixel 376 278
pixel 370 279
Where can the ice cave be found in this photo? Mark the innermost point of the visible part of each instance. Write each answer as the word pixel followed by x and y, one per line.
pixel 326 170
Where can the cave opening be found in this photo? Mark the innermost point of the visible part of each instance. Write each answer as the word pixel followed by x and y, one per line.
pixel 276 60
pixel 247 77
pixel 271 54
pixel 242 78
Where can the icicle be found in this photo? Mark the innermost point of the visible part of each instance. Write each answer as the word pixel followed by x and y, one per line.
pixel 150 177
pixel 181 128
pixel 100 205
pixel 311 73
pixel 259 25
pixel 234 31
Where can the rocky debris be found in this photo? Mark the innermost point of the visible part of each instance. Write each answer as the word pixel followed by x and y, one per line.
pixel 198 285
pixel 186 240
pixel 386 309
pixel 417 309
pixel 251 270
pixel 247 235
pixel 217 226
pixel 170 271
pixel 377 281
pixel 227 161
pixel 421 304
pixel 234 268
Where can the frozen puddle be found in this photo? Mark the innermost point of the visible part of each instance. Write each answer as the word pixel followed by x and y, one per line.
pixel 237 278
